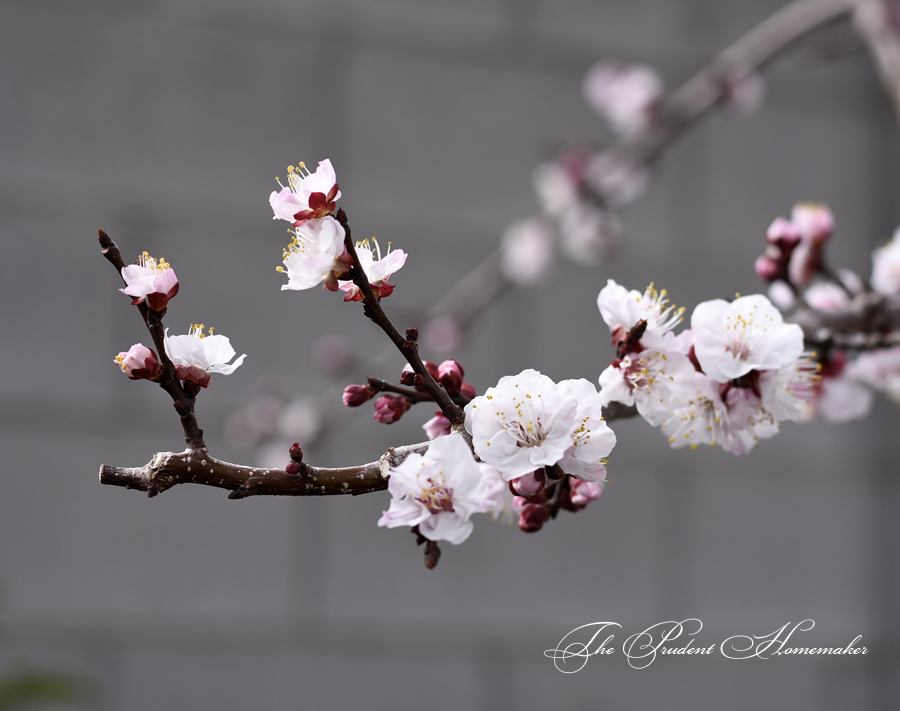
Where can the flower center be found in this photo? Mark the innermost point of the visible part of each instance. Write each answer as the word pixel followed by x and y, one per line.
pixel 197 330
pixel 148 262
pixel 437 497
pixel 526 428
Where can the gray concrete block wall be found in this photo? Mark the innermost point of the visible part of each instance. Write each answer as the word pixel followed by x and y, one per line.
pixel 165 124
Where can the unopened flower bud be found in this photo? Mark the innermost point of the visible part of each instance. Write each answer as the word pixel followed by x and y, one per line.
pixel 450 375
pixel 528 485
pixel 356 395
pixel 768 269
pixel 783 234
pixel 532 517
pixel 389 409
pixel 139 363
pixel 296 453
pixel 815 222
pixel 292 468
pixel 412 379
pixel 412 334
pixel 581 493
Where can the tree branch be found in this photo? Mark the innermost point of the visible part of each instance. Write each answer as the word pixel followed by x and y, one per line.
pixel 406 345
pixel 168 381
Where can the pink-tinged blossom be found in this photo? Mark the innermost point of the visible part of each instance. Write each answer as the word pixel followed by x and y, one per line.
pixel 439 491
pixel 592 439
pixel 437 426
pixel 581 493
pixel 735 421
pixel 588 234
pixel 377 269
pixel 827 296
pixel 139 363
pixel 624 94
pixel 307 195
pixel 315 255
pixel 733 338
pixel 526 251
pixel 655 380
pixel 842 399
pixel 390 408
pixel 556 188
pixel 196 355
pixel 150 280
pixel 886 267
pixel 781 294
pixel 527 422
pixel 622 309
pixel 880 369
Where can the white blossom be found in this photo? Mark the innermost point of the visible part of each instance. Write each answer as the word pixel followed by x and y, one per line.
pixel 622 309
pixel 731 339
pixel 439 491
pixel 527 422
pixel 313 254
pixel 307 195
pixel 377 269
pixel 196 354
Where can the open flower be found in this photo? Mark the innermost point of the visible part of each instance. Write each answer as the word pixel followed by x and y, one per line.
pixel 196 355
pixel 315 255
pixel 439 491
pixel 624 94
pixel 307 195
pixel 377 269
pixel 731 339
pixel 527 422
pixel 622 309
pixel 152 280
pixel 139 363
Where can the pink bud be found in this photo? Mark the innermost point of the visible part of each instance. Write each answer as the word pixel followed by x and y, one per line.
pixel 783 234
pixel 467 390
pixel 768 269
pixel 139 363
pixel 528 485
pixel 532 517
pixel 450 375
pixel 815 222
pixel 356 395
pixel 437 426
pixel 581 493
pixel 390 408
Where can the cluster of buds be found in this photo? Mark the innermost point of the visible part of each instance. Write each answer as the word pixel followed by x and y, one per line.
pixel 794 247
pixel 567 493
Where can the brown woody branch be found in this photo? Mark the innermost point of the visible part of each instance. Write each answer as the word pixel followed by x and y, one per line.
pixel 407 346
pixel 168 381
pixel 197 466
pixel 380 385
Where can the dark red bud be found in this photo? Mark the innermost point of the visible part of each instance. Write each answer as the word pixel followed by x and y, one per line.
pixel 450 375
pixel 532 517
pixel 412 334
pixel 296 453
pixel 292 468
pixel 356 395
pixel 468 391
